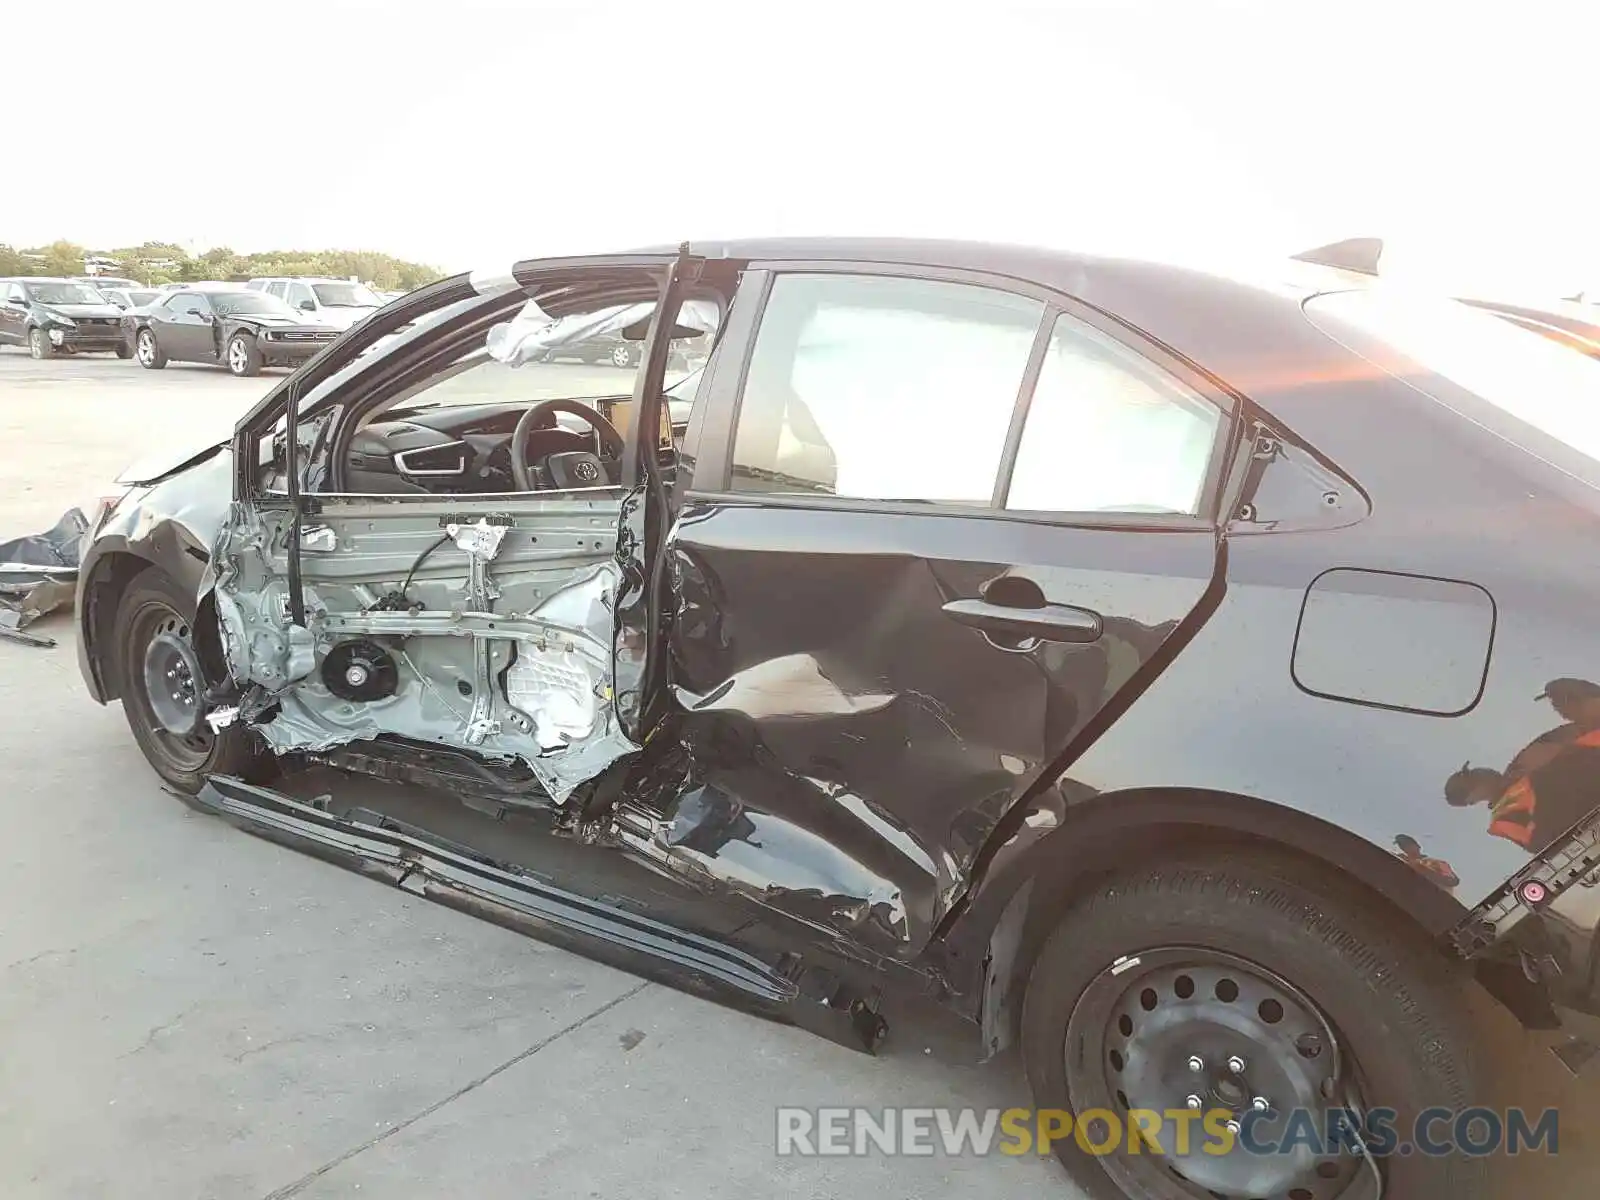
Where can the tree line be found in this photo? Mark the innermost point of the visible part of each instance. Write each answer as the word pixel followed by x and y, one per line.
pixel 165 262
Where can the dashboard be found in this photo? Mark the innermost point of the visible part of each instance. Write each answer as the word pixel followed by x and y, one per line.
pixel 461 449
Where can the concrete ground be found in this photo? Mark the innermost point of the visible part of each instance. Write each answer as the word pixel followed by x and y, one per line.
pixel 186 1011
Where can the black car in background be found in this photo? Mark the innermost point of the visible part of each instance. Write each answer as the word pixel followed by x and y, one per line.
pixel 51 316
pixel 222 324
pixel 622 348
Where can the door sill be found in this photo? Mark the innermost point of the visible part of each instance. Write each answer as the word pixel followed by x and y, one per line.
pixel 453 874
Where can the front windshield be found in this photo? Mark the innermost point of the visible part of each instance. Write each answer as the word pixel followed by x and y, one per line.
pixel 581 356
pixel 346 295
pixel 63 293
pixel 254 304
pixel 1548 385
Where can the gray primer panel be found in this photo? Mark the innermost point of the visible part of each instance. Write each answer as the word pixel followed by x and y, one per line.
pixel 1406 642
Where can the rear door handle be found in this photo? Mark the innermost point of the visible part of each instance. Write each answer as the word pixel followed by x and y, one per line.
pixel 1048 623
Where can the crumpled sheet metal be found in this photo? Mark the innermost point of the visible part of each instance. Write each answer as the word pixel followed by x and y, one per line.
pixel 39 573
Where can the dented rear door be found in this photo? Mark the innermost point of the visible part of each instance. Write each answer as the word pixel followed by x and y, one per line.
pixel 883 635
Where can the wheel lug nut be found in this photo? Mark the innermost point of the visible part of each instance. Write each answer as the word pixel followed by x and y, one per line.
pixel 1193 1102
pixel 1234 1127
pixel 1236 1065
pixel 1261 1104
pixel 1197 1064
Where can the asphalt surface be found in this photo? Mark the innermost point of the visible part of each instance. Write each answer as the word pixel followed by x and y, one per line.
pixel 186 1011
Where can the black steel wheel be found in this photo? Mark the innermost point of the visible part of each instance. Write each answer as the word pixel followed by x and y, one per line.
pixel 163 689
pixel 1263 994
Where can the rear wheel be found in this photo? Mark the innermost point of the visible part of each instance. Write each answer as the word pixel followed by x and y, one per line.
pixel 163 688
pixel 123 351
pixel 622 356
pixel 1261 989
pixel 39 344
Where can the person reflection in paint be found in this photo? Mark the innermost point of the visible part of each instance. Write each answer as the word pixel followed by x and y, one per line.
pixel 1552 783
pixel 1436 869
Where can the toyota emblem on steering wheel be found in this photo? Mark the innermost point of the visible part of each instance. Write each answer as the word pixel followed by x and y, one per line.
pixel 586 471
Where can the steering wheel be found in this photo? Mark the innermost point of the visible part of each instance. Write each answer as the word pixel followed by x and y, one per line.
pixel 576 468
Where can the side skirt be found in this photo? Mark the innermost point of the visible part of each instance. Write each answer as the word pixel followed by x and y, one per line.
pixel 455 875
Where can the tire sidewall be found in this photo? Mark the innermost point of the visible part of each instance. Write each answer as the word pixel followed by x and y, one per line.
pixel 233 749
pixel 1373 1024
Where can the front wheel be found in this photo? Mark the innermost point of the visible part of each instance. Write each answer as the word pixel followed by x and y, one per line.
pixel 149 351
pixel 164 686
pixel 244 356
pixel 1268 998
pixel 39 344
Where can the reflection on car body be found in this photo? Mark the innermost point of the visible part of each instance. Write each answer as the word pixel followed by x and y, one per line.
pixel 1050 635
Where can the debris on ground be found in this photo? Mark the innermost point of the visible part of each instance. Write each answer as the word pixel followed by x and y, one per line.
pixel 39 573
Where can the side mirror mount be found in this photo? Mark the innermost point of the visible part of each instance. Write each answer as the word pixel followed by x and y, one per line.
pixel 307 306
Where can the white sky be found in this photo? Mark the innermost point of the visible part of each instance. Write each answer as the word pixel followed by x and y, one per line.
pixel 466 132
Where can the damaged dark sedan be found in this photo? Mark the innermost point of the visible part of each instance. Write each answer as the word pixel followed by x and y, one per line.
pixel 1190 678
pixel 224 325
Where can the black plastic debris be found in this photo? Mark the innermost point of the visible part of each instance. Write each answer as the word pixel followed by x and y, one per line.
pixel 39 573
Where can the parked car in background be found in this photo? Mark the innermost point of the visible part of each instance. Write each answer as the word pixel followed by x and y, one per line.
pixel 107 281
pixel 51 316
pixel 225 325
pixel 126 298
pixel 622 348
pixel 1093 702
pixel 334 301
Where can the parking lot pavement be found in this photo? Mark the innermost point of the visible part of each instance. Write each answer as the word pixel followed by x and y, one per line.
pixel 186 1011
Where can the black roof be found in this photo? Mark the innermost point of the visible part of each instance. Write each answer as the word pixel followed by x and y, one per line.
pixel 1049 266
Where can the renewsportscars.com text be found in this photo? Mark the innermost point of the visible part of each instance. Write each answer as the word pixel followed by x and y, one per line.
pixel 846 1131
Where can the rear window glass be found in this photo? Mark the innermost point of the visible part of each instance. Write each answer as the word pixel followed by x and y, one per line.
pixel 1541 382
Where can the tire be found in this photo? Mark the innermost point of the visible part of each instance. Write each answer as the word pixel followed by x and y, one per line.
pixel 622 356
pixel 154 606
pixel 39 344
pixel 148 350
pixel 1237 928
pixel 243 356
pixel 124 350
